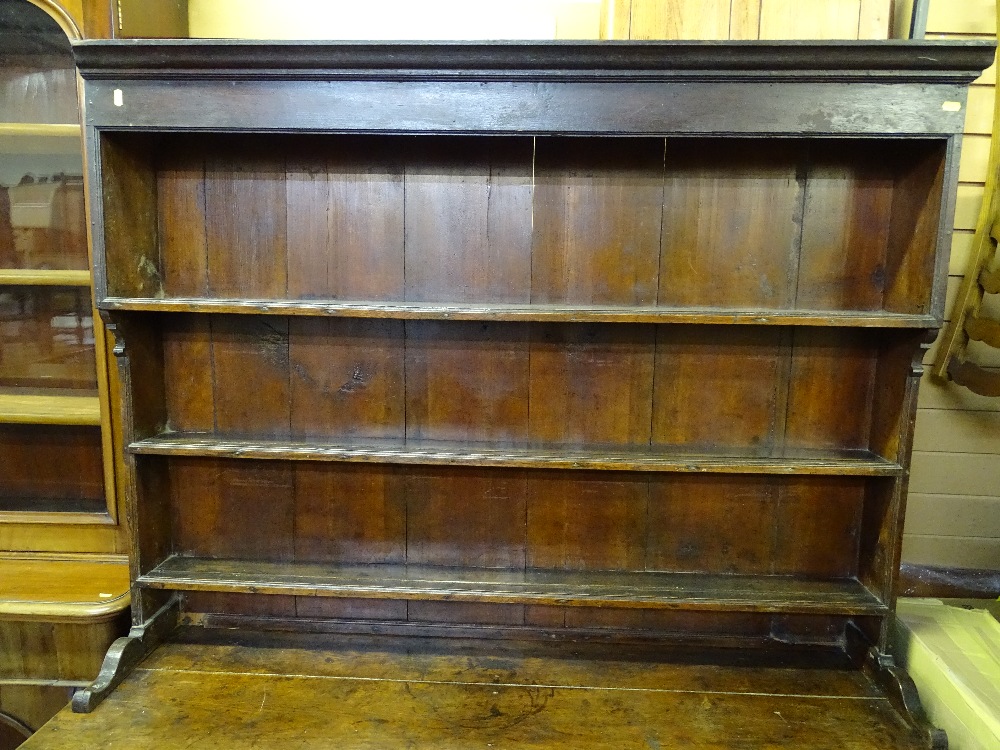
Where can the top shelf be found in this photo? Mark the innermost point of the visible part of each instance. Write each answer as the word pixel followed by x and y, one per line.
pixel 511 312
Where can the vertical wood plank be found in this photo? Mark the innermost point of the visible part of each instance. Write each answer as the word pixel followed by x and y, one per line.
pixel 818 527
pixel 245 218
pixel 680 19
pixel 250 358
pixel 830 368
pixel 744 19
pixel 597 216
pixel 875 19
pixel 711 523
pixel 345 218
pixel 466 381
pixel 616 18
pixel 825 19
pixel 233 509
pixel 731 216
pixel 128 187
pixel 187 368
pixel 845 228
pixel 912 241
pixel 591 384
pixel 350 514
pixel 469 517
pixel 180 193
pixel 586 521
pixel 718 388
pixel 468 220
pixel 347 378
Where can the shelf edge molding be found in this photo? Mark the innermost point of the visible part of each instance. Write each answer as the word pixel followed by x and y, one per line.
pixel 630 590
pixel 50 410
pixel 858 463
pixel 543 313
pixel 44 277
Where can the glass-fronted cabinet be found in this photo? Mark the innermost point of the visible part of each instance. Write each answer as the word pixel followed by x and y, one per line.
pixel 56 468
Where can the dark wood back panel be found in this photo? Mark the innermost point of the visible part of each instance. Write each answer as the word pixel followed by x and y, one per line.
pixel 705 222
pixel 753 390
pixel 516 520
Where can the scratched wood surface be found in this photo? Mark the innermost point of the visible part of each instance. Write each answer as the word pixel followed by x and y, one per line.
pixel 278 694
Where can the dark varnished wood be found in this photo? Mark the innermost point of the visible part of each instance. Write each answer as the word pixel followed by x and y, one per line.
pixel 539 230
pixel 428 695
pixel 649 590
pixel 551 341
pixel 825 462
pixel 539 313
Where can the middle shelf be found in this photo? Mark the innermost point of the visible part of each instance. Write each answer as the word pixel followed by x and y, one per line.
pixel 435 453
pixel 551 395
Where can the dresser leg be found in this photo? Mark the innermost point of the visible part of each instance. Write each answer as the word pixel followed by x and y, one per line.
pixel 124 655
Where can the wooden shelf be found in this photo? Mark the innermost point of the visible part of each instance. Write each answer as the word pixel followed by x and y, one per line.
pixel 41 129
pixel 50 409
pixel 44 277
pixel 509 312
pixel 821 462
pixel 40 138
pixel 776 594
pixel 63 588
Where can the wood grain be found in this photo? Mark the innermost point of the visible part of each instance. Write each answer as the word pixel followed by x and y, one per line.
pixel 467 381
pixel 596 220
pixel 245 215
pixel 577 589
pixel 468 211
pixel 347 378
pixel 731 224
pixel 432 699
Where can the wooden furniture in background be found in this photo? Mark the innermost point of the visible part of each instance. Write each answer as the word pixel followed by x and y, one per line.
pixel 58 501
pixel 569 342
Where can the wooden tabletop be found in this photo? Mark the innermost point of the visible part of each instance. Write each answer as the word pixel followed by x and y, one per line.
pixel 362 693
pixel 55 588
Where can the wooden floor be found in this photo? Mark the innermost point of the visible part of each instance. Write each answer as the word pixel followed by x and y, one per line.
pixel 399 693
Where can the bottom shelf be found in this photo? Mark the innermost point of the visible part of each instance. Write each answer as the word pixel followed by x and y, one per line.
pixel 693 591
pixel 232 689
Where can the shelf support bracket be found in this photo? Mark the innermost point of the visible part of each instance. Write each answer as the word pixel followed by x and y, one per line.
pixel 898 686
pixel 125 655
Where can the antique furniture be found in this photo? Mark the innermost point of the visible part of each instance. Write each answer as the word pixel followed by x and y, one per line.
pixel 509 369
pixel 58 512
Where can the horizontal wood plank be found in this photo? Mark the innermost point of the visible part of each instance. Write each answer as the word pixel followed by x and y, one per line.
pixel 961 251
pixel 359 693
pixel 935 394
pixel 40 129
pixel 939 473
pixel 427 452
pixel 54 588
pixel 594 589
pixel 44 277
pixel 966 17
pixel 49 409
pixel 947 430
pixel 952 551
pixel 953 515
pixel 540 313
